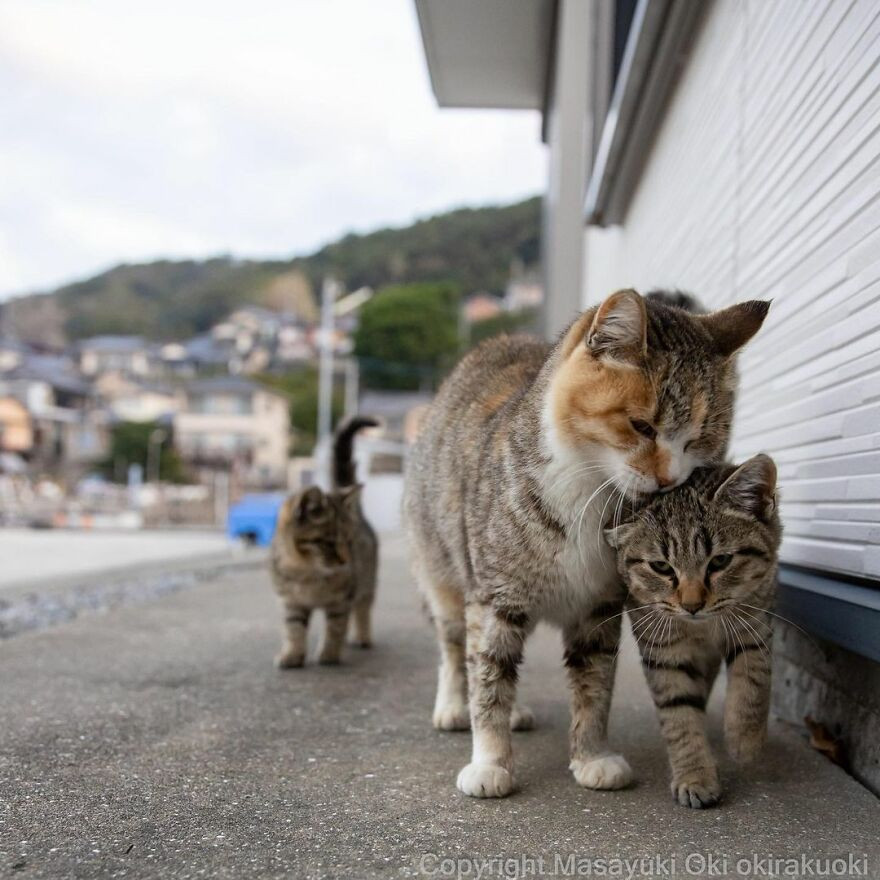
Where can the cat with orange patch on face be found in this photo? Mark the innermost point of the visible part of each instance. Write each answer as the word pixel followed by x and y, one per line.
pixel 528 449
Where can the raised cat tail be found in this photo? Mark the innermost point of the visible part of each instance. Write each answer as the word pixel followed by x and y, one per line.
pixel 343 445
pixel 677 298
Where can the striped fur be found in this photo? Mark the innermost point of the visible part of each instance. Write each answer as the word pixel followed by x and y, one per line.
pixel 700 568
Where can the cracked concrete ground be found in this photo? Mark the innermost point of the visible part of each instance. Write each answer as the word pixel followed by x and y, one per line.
pixel 158 740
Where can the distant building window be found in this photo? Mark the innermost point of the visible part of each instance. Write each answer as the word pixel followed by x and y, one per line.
pixel 221 404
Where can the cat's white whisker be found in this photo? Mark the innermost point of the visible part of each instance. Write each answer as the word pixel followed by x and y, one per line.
pixel 811 639
pixel 639 627
pixel 754 632
pixel 652 635
pixel 614 616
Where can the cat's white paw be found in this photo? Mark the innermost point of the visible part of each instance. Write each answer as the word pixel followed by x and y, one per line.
pixel 452 716
pixel 522 718
pixel 288 659
pixel 485 781
pixel 608 772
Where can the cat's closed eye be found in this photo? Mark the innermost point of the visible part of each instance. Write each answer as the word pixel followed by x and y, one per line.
pixel 661 566
pixel 720 561
pixel 646 429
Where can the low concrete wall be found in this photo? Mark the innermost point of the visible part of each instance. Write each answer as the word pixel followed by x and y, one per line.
pixel 835 687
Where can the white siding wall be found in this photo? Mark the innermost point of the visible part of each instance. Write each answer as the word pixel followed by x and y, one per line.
pixel 764 182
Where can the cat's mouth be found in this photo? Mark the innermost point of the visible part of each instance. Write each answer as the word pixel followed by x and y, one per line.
pixel 700 616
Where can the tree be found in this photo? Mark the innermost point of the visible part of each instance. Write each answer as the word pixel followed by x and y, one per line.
pixel 129 444
pixel 524 321
pixel 408 335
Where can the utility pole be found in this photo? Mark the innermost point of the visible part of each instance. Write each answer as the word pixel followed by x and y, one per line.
pixel 329 294
pixel 154 454
pixel 352 381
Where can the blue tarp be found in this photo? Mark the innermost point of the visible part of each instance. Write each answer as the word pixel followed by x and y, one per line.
pixel 253 518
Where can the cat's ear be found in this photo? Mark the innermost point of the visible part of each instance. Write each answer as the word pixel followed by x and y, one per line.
pixel 619 331
pixel 310 505
pixel 616 537
pixel 733 327
pixel 751 488
pixel 285 513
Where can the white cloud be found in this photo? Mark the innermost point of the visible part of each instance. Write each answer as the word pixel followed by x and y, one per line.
pixel 133 131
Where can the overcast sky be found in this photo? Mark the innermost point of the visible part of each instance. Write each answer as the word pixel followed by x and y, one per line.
pixel 130 131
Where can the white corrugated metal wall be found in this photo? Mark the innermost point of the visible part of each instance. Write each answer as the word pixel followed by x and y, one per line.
pixel 764 182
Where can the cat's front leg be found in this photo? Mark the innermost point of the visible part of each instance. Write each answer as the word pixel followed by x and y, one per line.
pixel 678 674
pixel 747 702
pixel 293 652
pixel 494 639
pixel 590 649
pixel 334 634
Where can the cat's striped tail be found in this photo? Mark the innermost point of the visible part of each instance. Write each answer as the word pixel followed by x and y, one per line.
pixel 343 446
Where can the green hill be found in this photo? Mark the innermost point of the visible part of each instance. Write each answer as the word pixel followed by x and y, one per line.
pixel 472 247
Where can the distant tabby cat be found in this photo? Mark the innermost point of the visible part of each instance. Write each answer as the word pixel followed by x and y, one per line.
pixel 525 449
pixel 700 566
pixel 324 555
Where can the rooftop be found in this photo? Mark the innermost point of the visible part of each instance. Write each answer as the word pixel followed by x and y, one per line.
pixel 228 385
pixel 113 344
pixel 53 370
pixel 494 53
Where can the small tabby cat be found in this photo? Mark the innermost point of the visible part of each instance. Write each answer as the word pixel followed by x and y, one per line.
pixel 312 568
pixel 324 555
pixel 700 565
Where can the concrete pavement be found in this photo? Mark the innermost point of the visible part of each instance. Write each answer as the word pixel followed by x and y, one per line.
pixel 158 740
pixel 34 555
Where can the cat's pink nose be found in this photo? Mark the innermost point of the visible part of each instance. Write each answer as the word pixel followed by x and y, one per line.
pixel 693 607
pixel 665 482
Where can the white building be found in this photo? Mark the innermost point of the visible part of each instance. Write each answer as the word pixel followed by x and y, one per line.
pixel 730 149
pixel 231 423
pixel 138 400
pixel 128 355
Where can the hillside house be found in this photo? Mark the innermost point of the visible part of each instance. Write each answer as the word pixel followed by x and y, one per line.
pixel 130 399
pixel 128 355
pixel 16 427
pixel 231 423
pixel 66 431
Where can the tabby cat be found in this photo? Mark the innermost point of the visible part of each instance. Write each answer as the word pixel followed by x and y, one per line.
pixel 312 568
pixel 324 555
pixel 700 567
pixel 523 449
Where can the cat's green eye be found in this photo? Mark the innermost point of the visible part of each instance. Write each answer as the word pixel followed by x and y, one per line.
pixel 644 428
pixel 722 560
pixel 661 566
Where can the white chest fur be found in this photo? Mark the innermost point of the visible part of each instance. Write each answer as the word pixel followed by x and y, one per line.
pixel 580 491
